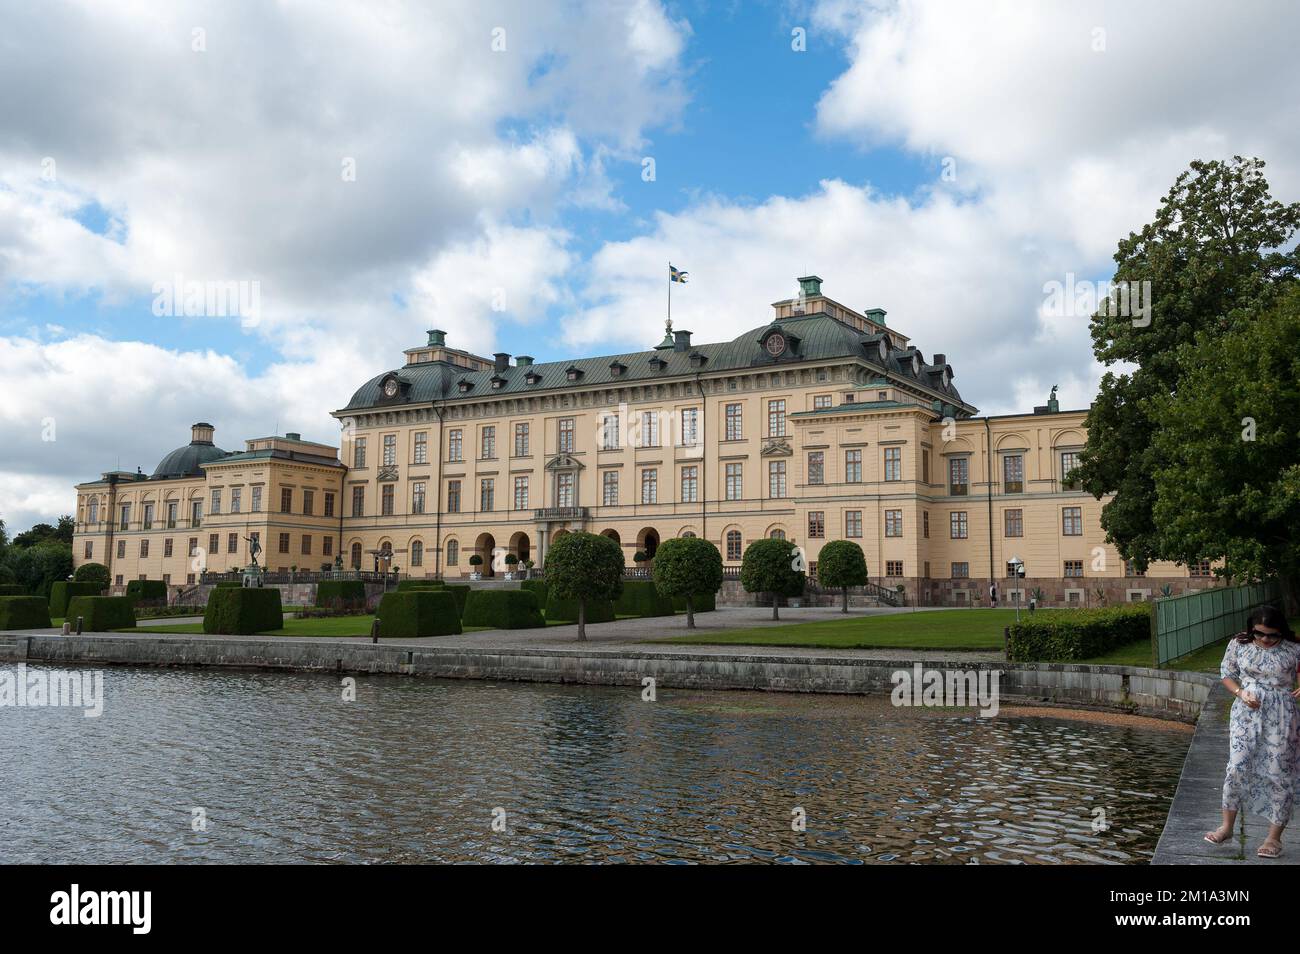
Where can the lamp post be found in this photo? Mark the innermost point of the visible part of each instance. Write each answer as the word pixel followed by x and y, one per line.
pixel 1018 568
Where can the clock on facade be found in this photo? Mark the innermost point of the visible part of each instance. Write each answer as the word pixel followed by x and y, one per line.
pixel 775 345
pixel 390 388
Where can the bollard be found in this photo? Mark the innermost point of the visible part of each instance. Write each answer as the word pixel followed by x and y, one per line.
pixel 81 621
pixel 374 630
pixel 67 628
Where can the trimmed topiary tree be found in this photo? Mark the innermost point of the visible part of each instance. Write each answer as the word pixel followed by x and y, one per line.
pixel 243 612
pixel 641 598
pixel 341 594
pixel 147 591
pixel 566 611
pixel 685 566
pixel 773 567
pixel 587 568
pixel 841 563
pixel 503 609
pixel 61 591
pixel 431 611
pixel 100 614
pixel 23 612
pixel 461 592
pixel 702 602
pixel 91 573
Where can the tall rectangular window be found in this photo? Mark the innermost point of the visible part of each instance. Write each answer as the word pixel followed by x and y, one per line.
pixel 1069 461
pixel 455 445
pixel 167 547
pixel 390 450
pixel 609 432
pixel 853 523
pixel 958 527
pixel 853 466
pixel 925 524
pixel 214 505
pixel 1072 521
pixel 649 486
pixel 487 494
pixel 386 500
pixel 453 496
pixel 566 445
pixel 421 453
pixel 1013 474
pixel 776 478
pixel 306 544
pixel 925 466
pixel 893 523
pixel 144 548
pixel 690 484
pixel 257 500
pixel 735 489
pixel 609 488
pixel 358 501
pixel 327 546
pixel 735 421
pixel 125 513
pixel 236 499
pixel 649 428
pixel 958 476
pixel 284 543
pixel 1014 523
pixel 286 500
pixel 417 497
pixel 776 418
pixel 564 495
pixel 816 523
pixel 690 426
pixel 196 513
pixel 148 516
pixel 521 439
pixel 488 442
pixel 329 504
pixel 893 463
pixel 734 545
pixel 816 467
pixel 308 501
pixel 359 453
pixel 521 493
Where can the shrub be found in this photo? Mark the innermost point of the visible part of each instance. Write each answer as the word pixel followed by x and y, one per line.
pixel 538 588
pixel 583 570
pixel 17 589
pixel 566 611
pixel 243 611
pixel 503 609
pixel 341 594
pixel 91 573
pixel 23 612
pixel 99 614
pixel 1066 635
pixel 842 564
pixel 701 602
pixel 143 591
pixel 461 591
pixel 419 585
pixel 768 566
pixel 642 598
pixel 418 612
pixel 475 560
pixel 686 566
pixel 61 591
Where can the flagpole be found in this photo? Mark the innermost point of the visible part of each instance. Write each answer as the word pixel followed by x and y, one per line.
pixel 670 293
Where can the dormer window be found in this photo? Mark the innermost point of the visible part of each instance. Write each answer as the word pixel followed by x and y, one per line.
pixel 616 368
pixel 658 363
pixel 883 348
pixel 498 381
pixel 532 377
pixel 464 385
pixel 572 372
pixel 916 364
pixel 698 359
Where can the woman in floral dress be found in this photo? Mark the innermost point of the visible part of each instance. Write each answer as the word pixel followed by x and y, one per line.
pixel 1259 668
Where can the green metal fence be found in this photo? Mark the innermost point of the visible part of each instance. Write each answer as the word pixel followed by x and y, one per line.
pixel 1183 624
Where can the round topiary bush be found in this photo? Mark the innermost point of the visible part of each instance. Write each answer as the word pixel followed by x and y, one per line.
pixel 770 566
pixel 91 573
pixel 687 566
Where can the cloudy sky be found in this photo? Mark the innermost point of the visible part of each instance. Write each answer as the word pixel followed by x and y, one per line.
pixel 519 174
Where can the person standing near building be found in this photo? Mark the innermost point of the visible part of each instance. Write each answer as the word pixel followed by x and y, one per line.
pixel 993 594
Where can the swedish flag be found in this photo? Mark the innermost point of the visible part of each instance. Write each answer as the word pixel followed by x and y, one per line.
pixel 675 276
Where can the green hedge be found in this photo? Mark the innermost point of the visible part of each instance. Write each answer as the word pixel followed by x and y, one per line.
pixel 503 609
pixel 703 603
pixel 461 592
pixel 431 611
pixel 91 573
pixel 23 612
pixel 101 613
pixel 146 590
pixel 420 585
pixel 538 589
pixel 61 591
pixel 230 584
pixel 341 594
pixel 15 589
pixel 1067 635
pixel 598 611
pixel 243 612
pixel 642 598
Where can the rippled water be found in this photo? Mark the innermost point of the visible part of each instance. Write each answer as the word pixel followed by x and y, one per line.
pixel 412 771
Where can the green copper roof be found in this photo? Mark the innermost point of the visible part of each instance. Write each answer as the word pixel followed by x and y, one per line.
pixel 188 461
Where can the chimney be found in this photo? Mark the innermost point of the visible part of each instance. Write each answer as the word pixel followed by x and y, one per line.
pixel 940 359
pixel 523 360
pixel 500 361
pixel 437 338
pixel 809 286
pixel 201 433
pixel 681 341
pixel 875 314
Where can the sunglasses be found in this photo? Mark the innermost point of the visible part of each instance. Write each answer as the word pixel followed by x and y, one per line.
pixel 1260 634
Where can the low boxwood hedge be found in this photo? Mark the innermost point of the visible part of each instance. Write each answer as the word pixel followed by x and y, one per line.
pixel 700 603
pixel 341 594
pixel 419 585
pixel 430 611
pixel 1067 635
pixel 100 614
pixel 23 612
pixel 503 609
pixel 598 611
pixel 461 592
pixel 642 598
pixel 17 589
pixel 61 591
pixel 147 591
pixel 538 588
pixel 244 611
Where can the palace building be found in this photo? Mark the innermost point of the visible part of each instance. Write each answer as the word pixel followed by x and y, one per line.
pixel 823 423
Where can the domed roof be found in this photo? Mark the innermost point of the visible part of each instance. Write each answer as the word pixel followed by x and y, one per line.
pixel 187 461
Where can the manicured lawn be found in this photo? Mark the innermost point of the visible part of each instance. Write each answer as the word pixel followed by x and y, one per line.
pixel 321 626
pixel 958 629
pixel 1205 659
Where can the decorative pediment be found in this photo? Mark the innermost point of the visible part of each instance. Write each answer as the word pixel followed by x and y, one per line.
pixel 777 447
pixel 386 474
pixel 564 462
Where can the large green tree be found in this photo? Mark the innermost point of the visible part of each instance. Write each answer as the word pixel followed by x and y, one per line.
pixel 1212 258
pixel 773 567
pixel 1229 444
pixel 842 563
pixel 583 567
pixel 686 566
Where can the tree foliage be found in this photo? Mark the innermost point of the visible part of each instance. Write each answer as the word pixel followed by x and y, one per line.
pixel 584 566
pixel 685 566
pixel 769 566
pixel 842 564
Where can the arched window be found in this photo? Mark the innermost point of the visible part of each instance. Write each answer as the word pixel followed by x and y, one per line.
pixel 417 553
pixel 777 534
pixel 733 544
pixel 356 556
pixel 689 533
pixel 453 552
